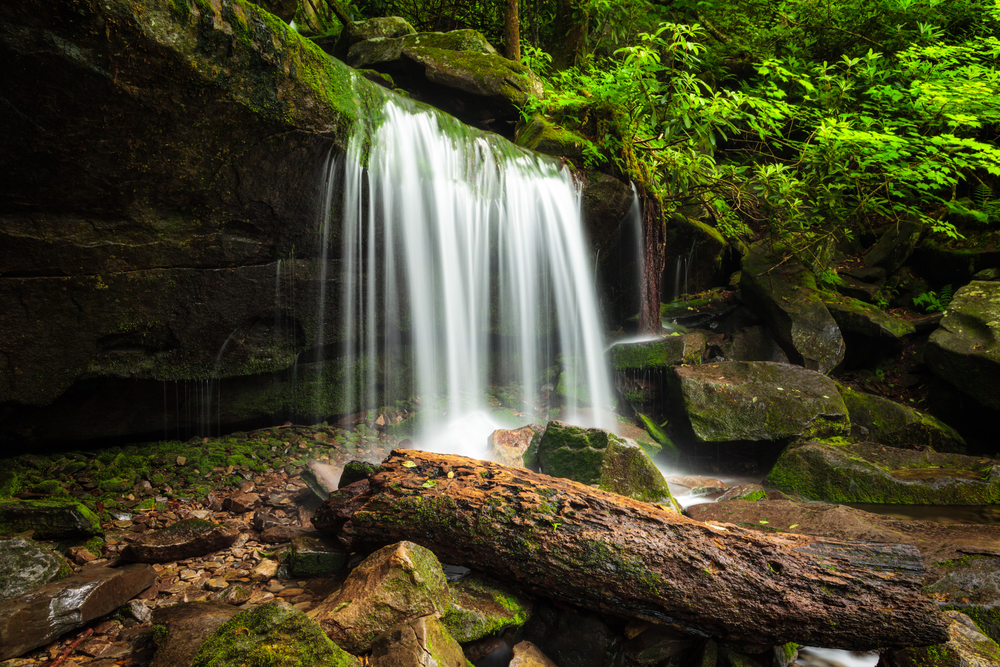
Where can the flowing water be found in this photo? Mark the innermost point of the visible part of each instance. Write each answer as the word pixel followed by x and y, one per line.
pixel 466 268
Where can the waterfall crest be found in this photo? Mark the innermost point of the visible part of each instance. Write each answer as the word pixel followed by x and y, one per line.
pixel 465 267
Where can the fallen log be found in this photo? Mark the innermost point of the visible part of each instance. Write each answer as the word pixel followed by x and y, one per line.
pixel 612 554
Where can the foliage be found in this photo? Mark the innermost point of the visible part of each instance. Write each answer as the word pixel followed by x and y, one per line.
pixel 932 302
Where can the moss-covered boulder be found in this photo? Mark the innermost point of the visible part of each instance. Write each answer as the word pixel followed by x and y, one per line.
pixel 598 457
pixel 48 519
pixel 355 471
pixel 782 291
pixel 458 72
pixel 897 425
pixel 274 634
pixel 863 319
pixel 758 400
pixel 395 585
pixel 965 350
pixel 967 646
pixel 25 564
pixel 841 472
pixel 658 354
pixel 377 28
pixel 544 136
pixel 424 642
pixel 481 606
pixel 315 555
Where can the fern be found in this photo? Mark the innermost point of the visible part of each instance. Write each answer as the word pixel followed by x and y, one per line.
pixel 982 194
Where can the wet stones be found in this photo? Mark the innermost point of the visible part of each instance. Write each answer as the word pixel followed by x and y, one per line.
pixel 49 519
pixel 26 564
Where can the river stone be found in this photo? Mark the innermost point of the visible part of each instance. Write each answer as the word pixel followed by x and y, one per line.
pixel 971 585
pixel 894 246
pixel 898 425
pixel 527 654
pixel 864 319
pixel 188 626
pixel 966 647
pixel 508 446
pixel 759 400
pixel 274 634
pixel 315 555
pixel 481 606
pixel 48 519
pixel 598 457
pixel 355 471
pixel 965 350
pixel 871 473
pixel 784 295
pixel 395 585
pixel 26 564
pixel 44 613
pixel 188 538
pixel 423 642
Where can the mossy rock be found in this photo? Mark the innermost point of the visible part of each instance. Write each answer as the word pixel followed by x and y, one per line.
pixel 658 354
pixel 355 471
pixel 26 564
pixel 897 425
pixel 971 585
pixel 857 317
pixel 424 642
pixel 541 135
pixel 48 519
pixel 274 634
pixel 967 646
pixel 481 606
pixel 842 472
pixel 598 457
pixel 759 401
pixel 315 556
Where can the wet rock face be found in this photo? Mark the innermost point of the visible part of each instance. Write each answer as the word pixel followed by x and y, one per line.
pixel 964 351
pixel 145 200
pixel 40 616
pixel 745 400
pixel 25 564
pixel 49 519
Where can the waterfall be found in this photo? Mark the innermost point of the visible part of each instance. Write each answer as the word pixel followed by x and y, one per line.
pixel 465 267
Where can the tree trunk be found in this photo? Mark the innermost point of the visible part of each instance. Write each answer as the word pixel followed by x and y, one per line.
pixel 573 17
pixel 512 31
pixel 654 258
pixel 616 555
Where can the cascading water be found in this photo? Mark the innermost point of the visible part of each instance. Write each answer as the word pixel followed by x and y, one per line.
pixel 466 267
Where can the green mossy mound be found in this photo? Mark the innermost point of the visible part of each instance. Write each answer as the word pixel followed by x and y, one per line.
pixel 274 634
pixel 658 354
pixel 759 401
pixel 897 425
pixel 864 319
pixel 481 606
pixel 598 457
pixel 546 137
pixel 841 472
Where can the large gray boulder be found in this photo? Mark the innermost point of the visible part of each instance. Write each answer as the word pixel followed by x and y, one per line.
pixel 783 292
pixel 759 400
pixel 965 350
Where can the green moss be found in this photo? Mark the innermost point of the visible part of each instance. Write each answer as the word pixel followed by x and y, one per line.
pixel 480 607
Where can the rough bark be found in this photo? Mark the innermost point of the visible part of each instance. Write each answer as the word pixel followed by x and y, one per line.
pixel 654 258
pixel 512 31
pixel 615 555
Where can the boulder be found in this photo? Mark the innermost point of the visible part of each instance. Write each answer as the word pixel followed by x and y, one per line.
pixel 526 654
pixel 898 425
pixel 570 637
pixel 783 293
pixel 894 246
pixel 39 616
pixel 508 446
pixel 26 564
pixel 754 343
pixel 377 28
pixel 658 354
pixel 747 400
pixel 597 456
pixel 864 319
pixel 315 555
pixel 187 538
pixel 836 471
pixel 655 644
pixel 423 642
pixel 965 350
pixel 354 471
pixel 481 606
pixel 395 585
pixel 188 625
pixel 544 136
pixel 971 585
pixel 275 634
pixel 49 519
pixel 854 288
pixel 952 266
pixel 966 647
pixel 457 72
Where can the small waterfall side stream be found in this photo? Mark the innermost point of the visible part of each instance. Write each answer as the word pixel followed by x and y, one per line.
pixel 465 266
